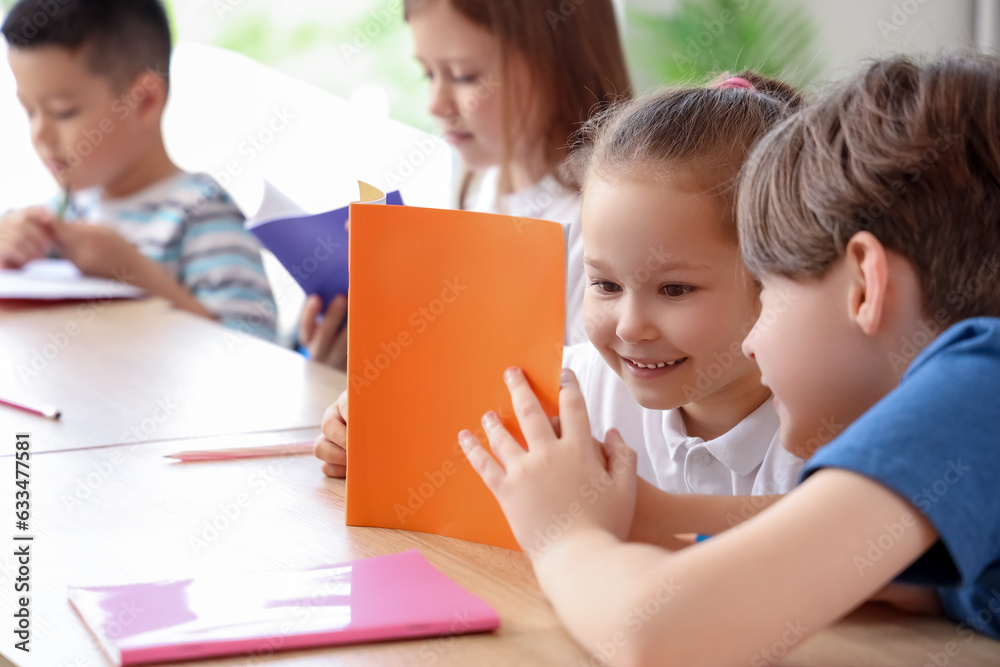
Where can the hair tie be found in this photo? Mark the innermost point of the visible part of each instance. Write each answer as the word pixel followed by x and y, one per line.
pixel 737 82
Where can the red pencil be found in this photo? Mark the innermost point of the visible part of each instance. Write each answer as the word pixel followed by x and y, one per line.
pixel 47 411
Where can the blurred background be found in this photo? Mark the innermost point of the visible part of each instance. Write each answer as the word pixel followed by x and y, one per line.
pixel 338 77
pixel 360 50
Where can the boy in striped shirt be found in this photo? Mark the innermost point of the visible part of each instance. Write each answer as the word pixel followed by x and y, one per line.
pixel 93 78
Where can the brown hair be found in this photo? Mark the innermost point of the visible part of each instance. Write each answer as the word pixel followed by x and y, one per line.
pixel 574 52
pixel 706 133
pixel 910 153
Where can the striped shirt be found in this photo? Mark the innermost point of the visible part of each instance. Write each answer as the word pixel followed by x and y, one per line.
pixel 191 226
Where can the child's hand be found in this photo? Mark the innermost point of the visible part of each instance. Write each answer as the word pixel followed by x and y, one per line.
pixel 322 339
pixel 563 483
pixel 331 445
pixel 98 251
pixel 25 235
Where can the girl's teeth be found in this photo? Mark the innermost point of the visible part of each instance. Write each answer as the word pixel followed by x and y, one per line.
pixel 659 365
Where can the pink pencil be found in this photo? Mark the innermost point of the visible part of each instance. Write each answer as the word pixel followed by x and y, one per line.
pixel 227 454
pixel 47 411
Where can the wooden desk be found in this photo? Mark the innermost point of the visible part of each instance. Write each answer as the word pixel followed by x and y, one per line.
pixel 110 509
pixel 138 371
pixel 147 518
pixel 124 514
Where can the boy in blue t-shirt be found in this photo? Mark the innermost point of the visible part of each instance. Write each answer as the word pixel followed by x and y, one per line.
pixel 872 219
pixel 93 78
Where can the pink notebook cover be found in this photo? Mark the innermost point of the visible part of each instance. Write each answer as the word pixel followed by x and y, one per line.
pixel 386 597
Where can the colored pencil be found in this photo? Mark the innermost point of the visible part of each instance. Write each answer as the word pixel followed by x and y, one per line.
pixel 46 411
pixel 296 449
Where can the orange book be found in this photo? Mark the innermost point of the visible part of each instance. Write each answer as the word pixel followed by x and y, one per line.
pixel 441 302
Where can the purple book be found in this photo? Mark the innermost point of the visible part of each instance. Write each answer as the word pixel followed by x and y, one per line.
pixel 313 248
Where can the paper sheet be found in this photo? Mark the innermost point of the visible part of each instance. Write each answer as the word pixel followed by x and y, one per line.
pixel 59 279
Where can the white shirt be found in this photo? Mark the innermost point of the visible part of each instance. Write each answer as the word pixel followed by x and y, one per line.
pixel 545 200
pixel 747 460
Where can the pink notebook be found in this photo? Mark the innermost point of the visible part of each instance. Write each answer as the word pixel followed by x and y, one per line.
pixel 387 597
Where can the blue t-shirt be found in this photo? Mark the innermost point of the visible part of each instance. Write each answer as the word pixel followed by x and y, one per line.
pixel 935 441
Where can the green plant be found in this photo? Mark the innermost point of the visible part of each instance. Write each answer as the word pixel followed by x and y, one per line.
pixel 705 37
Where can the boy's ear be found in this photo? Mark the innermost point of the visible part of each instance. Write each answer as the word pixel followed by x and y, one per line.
pixel 149 93
pixel 868 265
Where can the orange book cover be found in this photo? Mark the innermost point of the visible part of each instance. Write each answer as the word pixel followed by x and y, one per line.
pixel 440 303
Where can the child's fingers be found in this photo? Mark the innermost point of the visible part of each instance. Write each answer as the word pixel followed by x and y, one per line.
pixel 34 242
pixel 503 444
pixel 622 459
pixel 324 340
pixel 337 356
pixel 13 259
pixel 336 312
pixel 530 415
pixel 335 425
pixel 329 452
pixel 40 216
pixel 307 318
pixel 485 465
pixel 342 404
pixel 572 410
pixel 334 470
